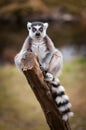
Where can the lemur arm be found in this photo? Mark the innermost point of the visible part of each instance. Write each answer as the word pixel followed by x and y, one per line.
pixel 27 45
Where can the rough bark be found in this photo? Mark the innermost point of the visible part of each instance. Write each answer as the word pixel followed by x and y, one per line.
pixel 41 89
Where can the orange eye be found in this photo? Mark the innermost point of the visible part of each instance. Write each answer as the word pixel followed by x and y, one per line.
pixel 33 29
pixel 41 29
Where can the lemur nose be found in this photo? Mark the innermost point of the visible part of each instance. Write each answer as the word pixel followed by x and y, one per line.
pixel 37 34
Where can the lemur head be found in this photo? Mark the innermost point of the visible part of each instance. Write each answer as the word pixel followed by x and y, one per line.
pixel 37 30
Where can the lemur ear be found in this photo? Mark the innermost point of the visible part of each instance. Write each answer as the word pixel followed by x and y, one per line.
pixel 29 25
pixel 45 25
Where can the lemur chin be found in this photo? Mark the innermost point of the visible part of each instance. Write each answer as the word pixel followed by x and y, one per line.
pixel 50 60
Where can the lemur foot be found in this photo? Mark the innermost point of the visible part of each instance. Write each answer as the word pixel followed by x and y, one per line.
pixel 49 77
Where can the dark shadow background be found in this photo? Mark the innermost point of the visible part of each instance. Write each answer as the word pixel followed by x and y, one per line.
pixel 67 20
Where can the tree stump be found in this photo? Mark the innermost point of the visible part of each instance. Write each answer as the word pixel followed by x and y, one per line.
pixel 41 89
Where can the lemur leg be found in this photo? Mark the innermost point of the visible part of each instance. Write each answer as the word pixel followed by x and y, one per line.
pixel 55 66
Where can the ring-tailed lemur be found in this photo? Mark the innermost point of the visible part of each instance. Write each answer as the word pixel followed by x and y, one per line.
pixel 50 60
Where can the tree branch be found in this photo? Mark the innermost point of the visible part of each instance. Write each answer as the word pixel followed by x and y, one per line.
pixel 41 89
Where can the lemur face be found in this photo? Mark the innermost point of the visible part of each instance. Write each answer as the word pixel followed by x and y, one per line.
pixel 37 30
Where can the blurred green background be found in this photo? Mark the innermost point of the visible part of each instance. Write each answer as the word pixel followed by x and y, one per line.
pixel 19 109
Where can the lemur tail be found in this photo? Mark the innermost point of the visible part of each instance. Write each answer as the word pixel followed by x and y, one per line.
pixel 62 100
pixel 58 94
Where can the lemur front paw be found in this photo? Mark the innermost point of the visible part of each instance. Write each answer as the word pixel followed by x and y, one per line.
pixel 23 55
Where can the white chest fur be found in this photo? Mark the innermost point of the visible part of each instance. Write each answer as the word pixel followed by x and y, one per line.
pixel 39 48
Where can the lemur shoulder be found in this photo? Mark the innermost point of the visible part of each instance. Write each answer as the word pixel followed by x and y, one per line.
pixel 50 60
